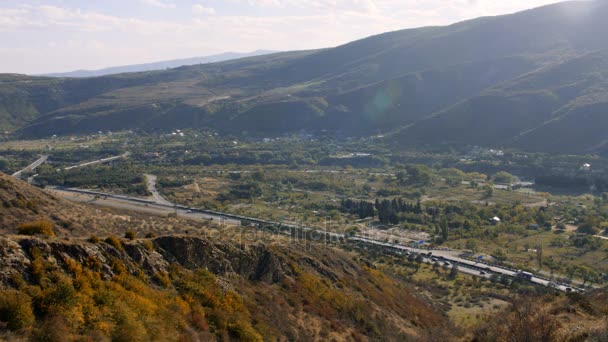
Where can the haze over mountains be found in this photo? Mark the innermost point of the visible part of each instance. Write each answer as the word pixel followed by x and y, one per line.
pixel 226 56
pixel 535 80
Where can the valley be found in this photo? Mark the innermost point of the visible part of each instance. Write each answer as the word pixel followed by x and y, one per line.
pixel 436 183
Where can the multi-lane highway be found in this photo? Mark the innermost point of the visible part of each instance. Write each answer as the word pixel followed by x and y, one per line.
pixel 159 205
pixel 98 161
pixel 31 167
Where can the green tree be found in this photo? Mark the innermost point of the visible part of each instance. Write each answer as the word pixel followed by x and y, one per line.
pixel 3 164
pixel 471 244
pixel 500 255
pixel 589 225
pixel 419 175
pixel 443 224
pixel 539 255
pixel 488 191
pixel 504 177
pixel 453 271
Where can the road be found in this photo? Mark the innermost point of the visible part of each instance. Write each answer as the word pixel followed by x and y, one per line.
pixel 135 204
pixel 98 161
pixel 159 207
pixel 31 167
pixel 158 198
pixel 601 237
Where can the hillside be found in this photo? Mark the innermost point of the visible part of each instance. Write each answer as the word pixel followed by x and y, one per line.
pixel 21 203
pixel 161 65
pixel 566 99
pixel 191 286
pixel 498 81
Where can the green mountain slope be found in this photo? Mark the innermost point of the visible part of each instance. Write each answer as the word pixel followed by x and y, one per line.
pixel 560 108
pixel 489 81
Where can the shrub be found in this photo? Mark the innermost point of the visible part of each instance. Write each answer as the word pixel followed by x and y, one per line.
pixel 93 263
pixel 130 234
pixel 16 309
pixel 114 242
pixel 36 227
pixel 149 246
pixel 93 239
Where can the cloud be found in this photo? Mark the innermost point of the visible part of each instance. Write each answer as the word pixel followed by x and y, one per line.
pixel 158 3
pixel 123 38
pixel 200 9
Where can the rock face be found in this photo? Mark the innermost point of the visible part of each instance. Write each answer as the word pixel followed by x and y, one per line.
pixel 255 262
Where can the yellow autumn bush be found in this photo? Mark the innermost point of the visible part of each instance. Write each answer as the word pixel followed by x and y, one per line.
pixel 40 227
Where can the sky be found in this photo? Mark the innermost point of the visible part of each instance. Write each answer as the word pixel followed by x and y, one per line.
pixel 43 36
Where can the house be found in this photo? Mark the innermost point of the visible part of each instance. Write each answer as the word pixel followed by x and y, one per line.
pixel 495 220
pixel 585 167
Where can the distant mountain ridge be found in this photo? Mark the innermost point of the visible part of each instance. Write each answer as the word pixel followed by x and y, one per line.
pixel 514 80
pixel 226 56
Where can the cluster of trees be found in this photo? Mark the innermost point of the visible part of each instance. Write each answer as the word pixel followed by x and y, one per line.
pixel 388 210
pixel 363 209
pixel 420 175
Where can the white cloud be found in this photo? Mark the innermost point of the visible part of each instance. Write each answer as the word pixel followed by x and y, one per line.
pixel 93 39
pixel 158 3
pixel 200 9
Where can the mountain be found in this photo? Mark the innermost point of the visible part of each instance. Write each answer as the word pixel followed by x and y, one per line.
pixel 226 56
pixel 511 81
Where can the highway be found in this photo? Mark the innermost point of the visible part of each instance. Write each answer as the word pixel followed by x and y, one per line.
pixel 466 266
pixel 162 206
pixel 32 166
pixel 99 161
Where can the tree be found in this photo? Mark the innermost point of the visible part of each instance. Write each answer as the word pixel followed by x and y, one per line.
pixel 471 244
pixel 401 177
pixel 488 191
pixel 539 255
pixel 504 177
pixel 419 175
pixel 3 164
pixel 453 176
pixel 453 271
pixel 443 224
pixel 500 255
pixel 588 226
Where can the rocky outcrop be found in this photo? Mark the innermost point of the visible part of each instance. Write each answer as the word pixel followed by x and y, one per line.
pixel 254 262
